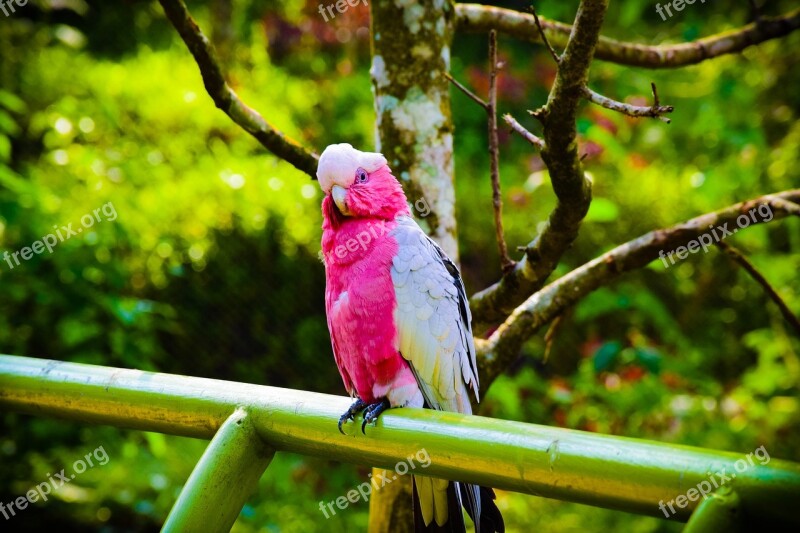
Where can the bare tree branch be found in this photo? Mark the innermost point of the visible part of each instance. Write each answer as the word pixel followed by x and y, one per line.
pixel 790 206
pixel 227 100
pixel 655 111
pixel 550 336
pixel 480 18
pixel 537 142
pixel 560 153
pixel 471 95
pixel 494 154
pixel 740 258
pixel 502 347
pixel 553 53
pixel 506 264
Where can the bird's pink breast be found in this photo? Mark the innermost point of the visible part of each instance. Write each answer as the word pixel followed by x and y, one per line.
pixel 360 301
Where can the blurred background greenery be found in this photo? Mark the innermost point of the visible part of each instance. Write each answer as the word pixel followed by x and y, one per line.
pixel 211 267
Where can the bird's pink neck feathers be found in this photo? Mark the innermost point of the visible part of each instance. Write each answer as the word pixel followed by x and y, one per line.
pixel 358 253
pixel 374 209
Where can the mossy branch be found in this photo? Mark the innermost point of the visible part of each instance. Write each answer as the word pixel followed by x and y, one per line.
pixel 560 153
pixel 502 347
pixel 480 18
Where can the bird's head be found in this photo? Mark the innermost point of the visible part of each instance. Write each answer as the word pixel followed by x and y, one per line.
pixel 358 185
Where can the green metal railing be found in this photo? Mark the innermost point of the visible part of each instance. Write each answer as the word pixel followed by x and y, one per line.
pixel 247 424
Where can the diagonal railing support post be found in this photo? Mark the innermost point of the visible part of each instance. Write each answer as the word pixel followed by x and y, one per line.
pixel 224 478
pixel 722 511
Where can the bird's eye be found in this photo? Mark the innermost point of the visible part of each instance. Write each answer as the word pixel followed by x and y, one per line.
pixel 361 176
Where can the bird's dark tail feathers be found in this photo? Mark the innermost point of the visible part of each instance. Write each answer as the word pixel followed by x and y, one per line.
pixel 458 494
pixel 491 521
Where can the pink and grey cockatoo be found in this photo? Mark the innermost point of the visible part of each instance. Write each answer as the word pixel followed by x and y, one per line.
pixel 398 317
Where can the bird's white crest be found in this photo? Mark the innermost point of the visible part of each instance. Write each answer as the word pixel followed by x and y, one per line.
pixel 339 162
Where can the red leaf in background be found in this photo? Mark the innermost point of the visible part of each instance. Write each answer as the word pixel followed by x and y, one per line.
pixel 535 163
pixel 591 149
pixel 518 197
pixel 560 418
pixel 510 87
pixel 561 384
pixel 637 101
pixel 638 161
pixel 590 346
pixel 671 380
pixel 601 119
pixel 632 373
pixel 478 81
pixel 282 36
pixel 545 72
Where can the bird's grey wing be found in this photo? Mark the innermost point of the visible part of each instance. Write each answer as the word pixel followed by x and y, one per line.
pixel 433 320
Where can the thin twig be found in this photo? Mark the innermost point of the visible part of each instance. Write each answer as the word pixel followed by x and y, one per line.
pixel 541 113
pixel 745 263
pixel 474 97
pixel 556 57
pixel 490 107
pixel 506 263
pixel 550 336
pixel 656 101
pixel 654 111
pixel 525 134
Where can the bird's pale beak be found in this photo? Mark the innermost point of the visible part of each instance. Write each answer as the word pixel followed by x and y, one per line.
pixel 339 195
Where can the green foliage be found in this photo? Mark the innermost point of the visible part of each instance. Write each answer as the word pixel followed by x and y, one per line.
pixel 211 268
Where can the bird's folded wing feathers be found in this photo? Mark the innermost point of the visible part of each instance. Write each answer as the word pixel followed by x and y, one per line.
pixel 433 319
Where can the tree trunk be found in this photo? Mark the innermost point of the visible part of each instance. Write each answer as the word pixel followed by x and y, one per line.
pixel 414 130
pixel 390 508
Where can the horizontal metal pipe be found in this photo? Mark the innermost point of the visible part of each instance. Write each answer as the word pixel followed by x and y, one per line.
pixel 606 471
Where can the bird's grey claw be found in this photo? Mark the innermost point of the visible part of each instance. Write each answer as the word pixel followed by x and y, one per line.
pixel 372 412
pixel 351 413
